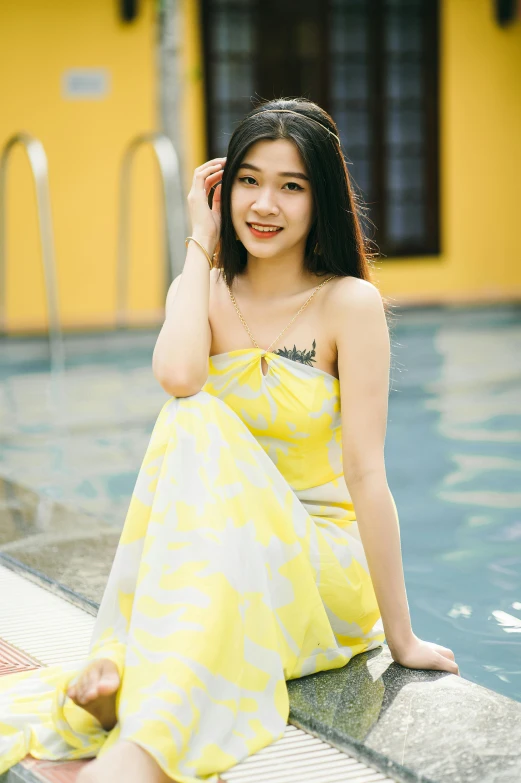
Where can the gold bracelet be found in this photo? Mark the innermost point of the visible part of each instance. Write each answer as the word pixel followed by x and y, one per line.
pixel 205 251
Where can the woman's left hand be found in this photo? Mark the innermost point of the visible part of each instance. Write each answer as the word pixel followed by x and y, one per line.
pixel 418 654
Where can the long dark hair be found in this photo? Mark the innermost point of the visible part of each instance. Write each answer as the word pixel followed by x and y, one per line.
pixel 336 232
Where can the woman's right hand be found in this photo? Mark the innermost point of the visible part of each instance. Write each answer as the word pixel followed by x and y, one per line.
pixel 206 222
pixel 418 654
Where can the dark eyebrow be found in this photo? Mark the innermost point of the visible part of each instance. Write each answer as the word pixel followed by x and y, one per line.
pixel 294 174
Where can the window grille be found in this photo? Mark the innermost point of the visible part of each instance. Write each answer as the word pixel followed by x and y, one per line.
pixel 373 64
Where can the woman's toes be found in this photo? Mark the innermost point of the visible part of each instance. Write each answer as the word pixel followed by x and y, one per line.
pixel 79 690
pixel 93 677
pixel 82 691
pixel 95 690
pixel 100 678
pixel 108 684
pixel 109 680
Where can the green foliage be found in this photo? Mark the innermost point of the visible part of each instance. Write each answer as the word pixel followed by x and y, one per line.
pixel 304 357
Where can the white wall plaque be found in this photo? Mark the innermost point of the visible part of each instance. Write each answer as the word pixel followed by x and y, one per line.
pixel 85 83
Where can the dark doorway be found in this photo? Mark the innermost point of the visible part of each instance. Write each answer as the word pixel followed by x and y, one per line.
pixel 293 41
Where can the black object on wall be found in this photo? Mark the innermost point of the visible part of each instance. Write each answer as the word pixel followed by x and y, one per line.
pixel 129 10
pixel 505 11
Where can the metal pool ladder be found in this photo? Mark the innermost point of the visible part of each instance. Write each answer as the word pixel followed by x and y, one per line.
pixel 168 163
pixel 38 163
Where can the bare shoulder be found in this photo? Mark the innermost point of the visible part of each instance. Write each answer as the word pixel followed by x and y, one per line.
pixel 362 338
pixel 351 306
pixel 350 292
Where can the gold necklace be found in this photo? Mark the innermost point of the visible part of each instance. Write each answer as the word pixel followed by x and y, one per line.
pixel 308 300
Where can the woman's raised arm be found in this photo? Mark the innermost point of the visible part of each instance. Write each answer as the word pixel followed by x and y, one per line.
pixel 180 360
pixel 364 364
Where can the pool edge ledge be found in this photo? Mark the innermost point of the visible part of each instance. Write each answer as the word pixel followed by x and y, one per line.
pixel 389 717
pixel 49 584
pixel 419 726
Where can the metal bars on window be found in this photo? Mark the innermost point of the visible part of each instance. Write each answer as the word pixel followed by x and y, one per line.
pixel 378 64
pixel 384 100
pixel 230 59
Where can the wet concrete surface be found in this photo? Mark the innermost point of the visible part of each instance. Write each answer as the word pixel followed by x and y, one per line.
pixel 432 725
pixel 65 545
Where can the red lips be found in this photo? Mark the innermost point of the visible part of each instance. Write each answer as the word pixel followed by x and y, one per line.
pixel 264 234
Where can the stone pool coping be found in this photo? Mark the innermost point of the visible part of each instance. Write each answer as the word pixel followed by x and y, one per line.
pixel 414 726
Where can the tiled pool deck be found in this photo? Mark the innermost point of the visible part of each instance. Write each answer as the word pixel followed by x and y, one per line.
pixel 390 723
pixel 70 450
pixel 54 631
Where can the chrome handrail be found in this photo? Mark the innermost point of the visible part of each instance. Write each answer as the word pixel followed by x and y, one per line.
pixel 168 162
pixel 38 163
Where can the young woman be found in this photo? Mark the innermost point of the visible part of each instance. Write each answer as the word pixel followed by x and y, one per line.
pixel 242 563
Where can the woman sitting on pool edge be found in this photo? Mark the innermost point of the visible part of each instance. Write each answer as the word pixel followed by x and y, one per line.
pixel 242 563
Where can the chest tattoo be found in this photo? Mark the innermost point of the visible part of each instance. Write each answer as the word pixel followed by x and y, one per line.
pixel 304 357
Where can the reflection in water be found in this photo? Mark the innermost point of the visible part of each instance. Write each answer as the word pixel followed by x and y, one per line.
pixel 509 623
pixel 459 610
pixel 459 498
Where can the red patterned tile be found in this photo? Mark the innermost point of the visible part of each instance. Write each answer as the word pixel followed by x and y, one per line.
pixel 58 771
pixel 14 660
pixel 54 771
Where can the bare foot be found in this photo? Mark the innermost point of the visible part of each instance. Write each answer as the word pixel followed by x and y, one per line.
pixel 95 690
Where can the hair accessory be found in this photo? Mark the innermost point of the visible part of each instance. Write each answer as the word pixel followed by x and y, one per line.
pixel 205 251
pixel 290 111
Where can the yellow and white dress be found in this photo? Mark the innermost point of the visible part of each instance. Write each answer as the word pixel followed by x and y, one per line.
pixel 240 566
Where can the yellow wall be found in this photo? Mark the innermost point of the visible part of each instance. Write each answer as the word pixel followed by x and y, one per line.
pixel 480 128
pixel 480 131
pixel 84 140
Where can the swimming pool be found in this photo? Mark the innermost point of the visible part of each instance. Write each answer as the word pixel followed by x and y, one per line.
pixel 453 455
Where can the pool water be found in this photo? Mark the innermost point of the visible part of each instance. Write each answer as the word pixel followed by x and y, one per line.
pixel 453 457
